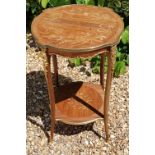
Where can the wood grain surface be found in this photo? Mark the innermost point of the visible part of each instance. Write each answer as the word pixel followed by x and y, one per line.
pixel 77 28
pixel 78 103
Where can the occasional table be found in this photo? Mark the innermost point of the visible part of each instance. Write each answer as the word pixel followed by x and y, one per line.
pixel 78 31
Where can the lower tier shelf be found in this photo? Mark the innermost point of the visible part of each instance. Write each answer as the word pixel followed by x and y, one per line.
pixel 79 103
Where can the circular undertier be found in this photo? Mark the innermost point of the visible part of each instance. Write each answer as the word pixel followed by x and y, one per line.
pixel 79 103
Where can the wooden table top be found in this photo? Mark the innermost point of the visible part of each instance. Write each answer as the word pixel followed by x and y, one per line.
pixel 77 28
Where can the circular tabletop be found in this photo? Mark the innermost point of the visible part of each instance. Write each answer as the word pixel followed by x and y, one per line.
pixel 77 28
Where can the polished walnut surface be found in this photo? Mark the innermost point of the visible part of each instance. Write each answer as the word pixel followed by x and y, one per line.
pixel 77 28
pixel 79 103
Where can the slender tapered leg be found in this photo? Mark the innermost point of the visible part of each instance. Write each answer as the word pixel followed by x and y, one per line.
pixel 55 65
pixel 111 62
pixel 102 55
pixel 50 93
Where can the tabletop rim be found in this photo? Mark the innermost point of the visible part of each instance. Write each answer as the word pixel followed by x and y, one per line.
pixel 93 48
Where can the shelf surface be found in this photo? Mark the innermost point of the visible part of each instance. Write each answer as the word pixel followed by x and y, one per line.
pixel 77 28
pixel 79 103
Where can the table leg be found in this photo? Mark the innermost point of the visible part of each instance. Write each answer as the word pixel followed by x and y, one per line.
pixel 102 55
pixel 111 62
pixel 55 65
pixel 50 93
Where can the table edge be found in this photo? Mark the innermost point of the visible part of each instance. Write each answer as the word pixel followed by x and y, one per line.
pixel 80 50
